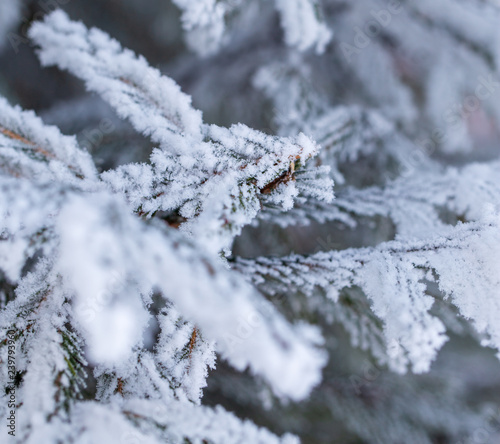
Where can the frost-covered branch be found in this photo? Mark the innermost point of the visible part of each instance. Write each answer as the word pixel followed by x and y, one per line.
pixel 120 286
pixel 213 177
pixel 303 24
pixel 30 149
pixel 392 276
pixel 164 261
pixel 205 23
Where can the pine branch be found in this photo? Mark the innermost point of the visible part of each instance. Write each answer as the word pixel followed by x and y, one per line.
pixel 210 175
pixel 391 276
pixel 303 24
pixel 204 23
pixel 156 258
pixel 30 149
pixel 48 357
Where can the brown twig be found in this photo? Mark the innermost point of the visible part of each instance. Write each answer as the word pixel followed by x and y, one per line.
pixel 14 136
pixel 192 341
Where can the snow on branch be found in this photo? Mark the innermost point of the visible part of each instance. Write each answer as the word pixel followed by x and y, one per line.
pixel 25 223
pixel 31 149
pixel 161 422
pixel 153 103
pixel 303 24
pixel 95 242
pixel 345 133
pixel 96 239
pixel 204 23
pixel 49 359
pixel 202 423
pixel 460 193
pixel 100 233
pixel 211 177
pixel 465 262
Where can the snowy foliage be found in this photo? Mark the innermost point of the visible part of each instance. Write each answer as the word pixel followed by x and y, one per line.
pixel 72 216
pixel 302 24
pixel 123 287
pixel 194 161
pixel 465 263
pixel 205 24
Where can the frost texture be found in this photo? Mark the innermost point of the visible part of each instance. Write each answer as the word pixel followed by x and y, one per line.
pixel 97 269
pixel 392 276
pixel 302 24
pixel 205 22
pixel 106 302
pixel 31 149
pixel 120 273
pixel 212 177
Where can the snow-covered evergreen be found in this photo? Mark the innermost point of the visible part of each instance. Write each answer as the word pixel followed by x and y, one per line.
pixel 128 279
